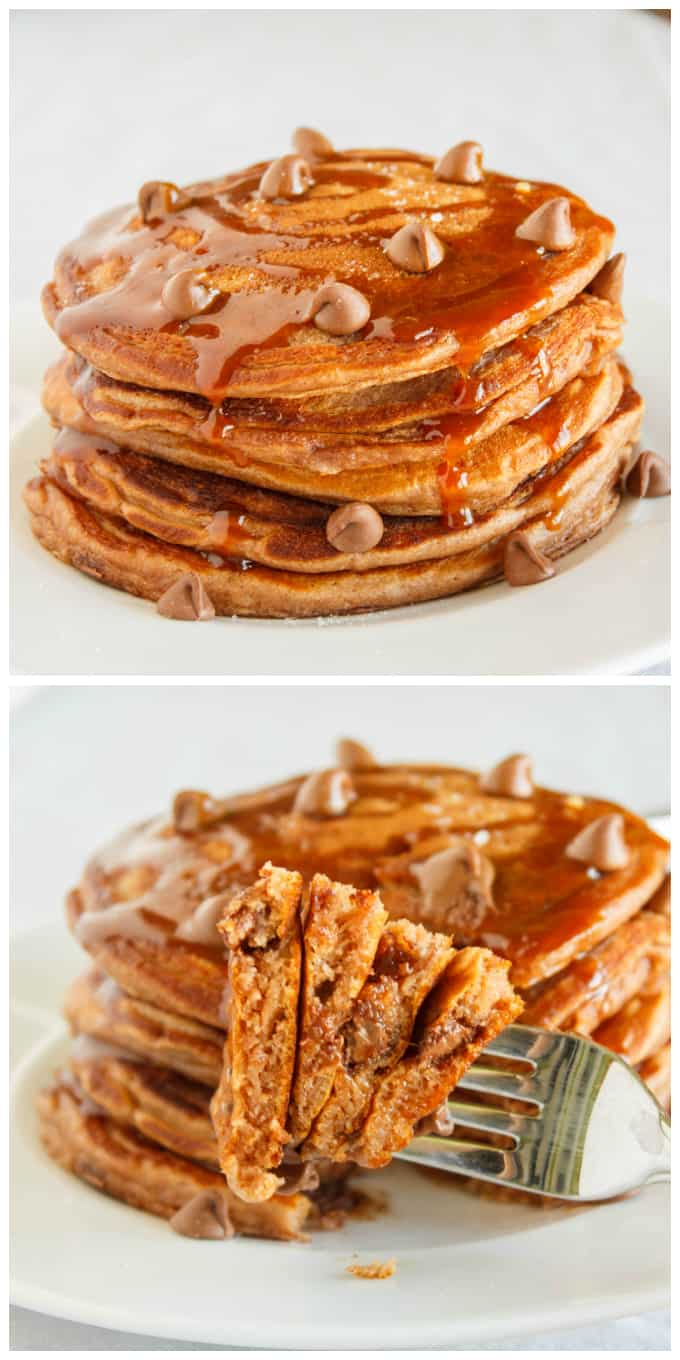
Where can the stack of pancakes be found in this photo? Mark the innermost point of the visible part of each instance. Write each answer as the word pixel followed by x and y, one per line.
pixel 573 891
pixel 338 381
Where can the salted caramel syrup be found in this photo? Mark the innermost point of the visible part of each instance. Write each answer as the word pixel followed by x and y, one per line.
pixel 266 260
pixel 167 886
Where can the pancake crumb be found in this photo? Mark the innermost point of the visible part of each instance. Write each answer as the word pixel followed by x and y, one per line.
pixel 374 1270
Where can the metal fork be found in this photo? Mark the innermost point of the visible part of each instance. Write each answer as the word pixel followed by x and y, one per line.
pixel 591 1129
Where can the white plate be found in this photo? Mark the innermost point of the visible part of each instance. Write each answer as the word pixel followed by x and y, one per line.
pixel 467 1270
pixel 606 612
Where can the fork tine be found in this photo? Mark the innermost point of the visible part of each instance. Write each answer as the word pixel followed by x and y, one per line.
pixel 492 1082
pixel 523 1044
pixel 515 1126
pixel 452 1154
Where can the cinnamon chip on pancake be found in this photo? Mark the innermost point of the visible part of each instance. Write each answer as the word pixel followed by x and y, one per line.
pixel 649 476
pixel 550 225
pixel 523 565
pixel 186 599
pixel 608 283
pixel 288 177
pixel 512 777
pixel 601 844
pixel 462 164
pixel 311 144
pixel 156 198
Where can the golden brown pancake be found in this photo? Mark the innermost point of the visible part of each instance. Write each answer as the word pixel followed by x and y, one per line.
pixel 656 1072
pixel 140 911
pixel 96 1006
pixel 334 433
pixel 265 260
pixel 174 1111
pixel 470 1005
pixel 123 1163
pixel 408 962
pixel 261 930
pixel 255 1110
pixel 641 1028
pixel 221 515
pixel 569 508
pixel 634 958
pixel 342 930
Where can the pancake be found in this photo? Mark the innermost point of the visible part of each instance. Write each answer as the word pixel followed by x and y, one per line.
pixel 127 1166
pixel 174 1112
pixel 408 962
pixel 641 1028
pixel 472 1002
pixel 634 958
pixel 140 899
pixel 95 1006
pixel 656 1072
pixel 342 931
pixel 335 433
pixel 256 1110
pixel 219 514
pixel 261 929
pixel 263 261
pixel 568 510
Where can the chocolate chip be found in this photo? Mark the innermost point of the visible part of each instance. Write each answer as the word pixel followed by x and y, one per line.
pixel 186 295
pixel 288 177
pixel 204 1216
pixel 511 778
pixel 608 284
pixel 462 164
pixel 354 528
pixel 523 564
pixel 456 887
pixel 326 793
pixel 186 599
pixel 352 755
pixel 650 476
pixel 601 844
pixel 158 197
pixel 339 309
pixel 311 144
pixel 550 225
pixel 193 810
pixel 415 247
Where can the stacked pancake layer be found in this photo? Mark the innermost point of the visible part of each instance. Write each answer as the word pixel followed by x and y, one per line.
pixel 446 399
pixel 491 863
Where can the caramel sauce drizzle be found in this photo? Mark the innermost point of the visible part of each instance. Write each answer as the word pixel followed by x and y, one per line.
pixel 488 272
pixel 539 895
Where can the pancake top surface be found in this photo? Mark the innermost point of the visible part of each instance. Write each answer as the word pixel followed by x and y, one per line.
pixel 157 881
pixel 267 259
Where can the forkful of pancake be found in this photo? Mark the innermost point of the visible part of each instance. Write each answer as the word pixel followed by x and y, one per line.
pixel 349 1032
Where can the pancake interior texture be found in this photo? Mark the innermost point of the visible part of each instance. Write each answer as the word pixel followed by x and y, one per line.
pixel 330 385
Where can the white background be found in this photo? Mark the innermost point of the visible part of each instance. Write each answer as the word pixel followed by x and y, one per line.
pixel 105 100
pixel 89 760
